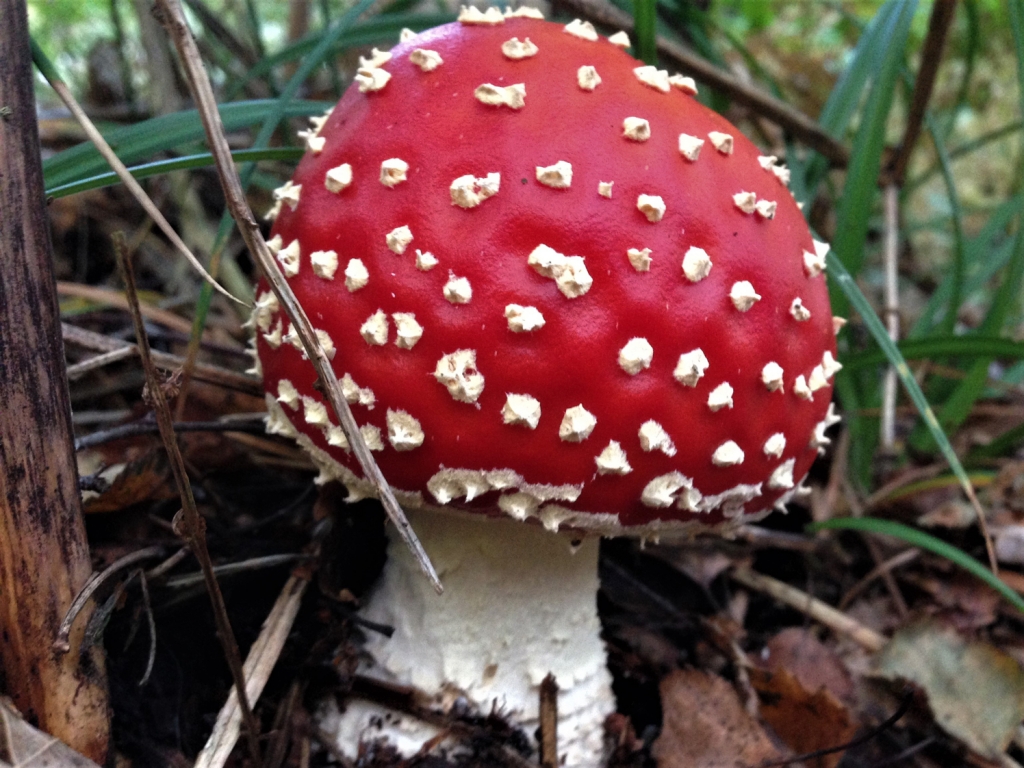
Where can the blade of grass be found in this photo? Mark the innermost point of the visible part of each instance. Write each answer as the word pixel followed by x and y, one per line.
pixel 857 202
pixel 160 167
pixel 56 82
pixel 967 347
pixel 845 96
pixel 984 255
pixel 377 29
pixel 961 150
pixel 924 541
pixel 958 406
pixel 956 274
pixel 845 282
pixel 160 134
pixel 645 17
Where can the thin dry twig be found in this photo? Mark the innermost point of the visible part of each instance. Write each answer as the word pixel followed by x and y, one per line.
pixel 151 623
pixel 258 665
pixel 812 607
pixel 133 186
pixel 202 91
pixel 112 298
pixel 193 528
pixel 549 722
pixel 943 12
pixel 78 370
pixel 799 125
pixel 211 374
pixel 134 429
pixel 892 313
pixel 61 644
pixel 883 568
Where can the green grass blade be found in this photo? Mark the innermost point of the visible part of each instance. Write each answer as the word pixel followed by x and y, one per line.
pixel 185 163
pixel 845 96
pixel 956 275
pixel 966 347
pixel 378 29
pixel 962 150
pixel 925 541
pixel 140 141
pixel 958 406
pixel 845 282
pixel 1002 445
pixel 645 29
pixel 984 255
pixel 860 190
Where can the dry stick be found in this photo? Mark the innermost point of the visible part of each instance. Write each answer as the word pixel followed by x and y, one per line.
pixel 549 722
pixel 211 374
pixel 78 370
pixel 892 313
pixel 137 428
pixel 898 601
pixel 259 664
pixel 97 580
pixel 44 550
pixel 193 528
pixel 799 125
pixel 202 92
pixel 931 56
pixel 129 181
pixel 883 568
pixel 112 298
pixel 811 606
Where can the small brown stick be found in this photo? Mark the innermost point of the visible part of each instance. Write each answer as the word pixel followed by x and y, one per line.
pixel 147 606
pixel 853 500
pixel 129 181
pixel 211 374
pixel 931 56
pixel 78 370
pixel 259 664
pixel 549 722
pixel 891 250
pixel 44 550
pixel 812 607
pixel 202 92
pixel 135 429
pixel 193 528
pixel 97 580
pixel 792 120
pixel 883 568
pixel 113 298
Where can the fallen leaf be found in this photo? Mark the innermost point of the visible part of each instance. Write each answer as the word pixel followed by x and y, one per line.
pixel 813 663
pixel 143 479
pixel 23 746
pixel 975 691
pixel 807 720
pixel 706 726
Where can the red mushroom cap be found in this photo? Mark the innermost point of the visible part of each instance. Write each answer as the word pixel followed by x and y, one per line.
pixel 557 285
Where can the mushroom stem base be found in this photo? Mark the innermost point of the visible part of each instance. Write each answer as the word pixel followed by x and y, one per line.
pixel 519 603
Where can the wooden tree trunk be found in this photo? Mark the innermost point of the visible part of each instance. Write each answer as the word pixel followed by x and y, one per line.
pixel 44 555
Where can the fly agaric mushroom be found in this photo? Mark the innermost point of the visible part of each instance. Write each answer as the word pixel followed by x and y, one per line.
pixel 553 309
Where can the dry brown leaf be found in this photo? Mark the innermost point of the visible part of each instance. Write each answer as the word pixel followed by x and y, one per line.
pixel 23 746
pixel 813 663
pixel 143 479
pixel 806 720
pixel 975 691
pixel 706 726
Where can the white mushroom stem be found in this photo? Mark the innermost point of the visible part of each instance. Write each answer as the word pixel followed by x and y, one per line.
pixel 519 603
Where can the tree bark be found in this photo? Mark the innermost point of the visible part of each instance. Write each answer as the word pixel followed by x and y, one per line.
pixel 44 555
